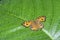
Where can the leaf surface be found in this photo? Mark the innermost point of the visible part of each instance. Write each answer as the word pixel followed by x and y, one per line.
pixel 14 12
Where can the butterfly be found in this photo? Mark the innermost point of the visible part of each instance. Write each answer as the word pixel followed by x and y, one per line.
pixel 35 24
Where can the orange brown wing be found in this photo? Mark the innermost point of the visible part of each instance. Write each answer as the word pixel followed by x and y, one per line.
pixel 27 23
pixel 41 19
pixel 36 26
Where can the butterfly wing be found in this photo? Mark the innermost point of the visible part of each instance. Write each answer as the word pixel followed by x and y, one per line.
pixel 34 26
pixel 41 25
pixel 41 19
pixel 27 23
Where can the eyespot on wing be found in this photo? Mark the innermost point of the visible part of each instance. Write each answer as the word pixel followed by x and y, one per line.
pixel 27 23
pixel 41 19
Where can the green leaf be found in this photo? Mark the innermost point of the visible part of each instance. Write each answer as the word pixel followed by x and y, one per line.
pixel 14 12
